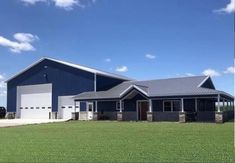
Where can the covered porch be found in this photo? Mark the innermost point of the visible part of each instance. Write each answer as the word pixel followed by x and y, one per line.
pixel 135 105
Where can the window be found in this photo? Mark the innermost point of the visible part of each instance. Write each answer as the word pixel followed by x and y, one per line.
pixel 118 105
pixel 167 105
pixel 21 107
pixel 63 107
pixel 43 107
pixel 37 107
pixel 70 107
pixel 31 107
pixel 171 105
pixel 89 106
pixel 49 107
pixel 26 107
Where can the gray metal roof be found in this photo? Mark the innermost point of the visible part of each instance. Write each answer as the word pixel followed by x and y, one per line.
pixel 184 86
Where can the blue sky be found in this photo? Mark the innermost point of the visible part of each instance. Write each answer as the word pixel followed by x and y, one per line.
pixel 142 39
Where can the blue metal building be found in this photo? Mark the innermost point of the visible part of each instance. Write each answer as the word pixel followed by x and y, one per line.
pixel 56 89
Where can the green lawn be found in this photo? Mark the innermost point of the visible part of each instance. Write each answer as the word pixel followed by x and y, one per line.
pixel 118 142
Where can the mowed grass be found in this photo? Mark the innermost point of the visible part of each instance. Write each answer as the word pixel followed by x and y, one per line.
pixel 118 142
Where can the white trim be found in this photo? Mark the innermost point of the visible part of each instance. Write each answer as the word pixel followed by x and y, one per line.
pixel 118 105
pixel 95 71
pixel 218 102
pixel 150 106
pixel 203 81
pixel 182 105
pixel 96 106
pixel 95 82
pixel 172 104
pixel 76 103
pixel 137 108
pixel 184 98
pixel 130 87
pixel 87 106
pixel 126 96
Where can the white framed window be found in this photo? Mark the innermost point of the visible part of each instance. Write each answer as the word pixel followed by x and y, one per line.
pixel 118 105
pixel 171 105
pixel 90 106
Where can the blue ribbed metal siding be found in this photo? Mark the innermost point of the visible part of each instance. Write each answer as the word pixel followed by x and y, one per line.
pixel 65 80
pixel 157 105
pixel 107 106
pixel 104 83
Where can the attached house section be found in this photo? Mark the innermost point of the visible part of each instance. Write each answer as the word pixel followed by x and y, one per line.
pixel 176 99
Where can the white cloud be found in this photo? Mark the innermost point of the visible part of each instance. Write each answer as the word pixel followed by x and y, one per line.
pixel 122 69
pixel 3 93
pixel 23 42
pixel 185 75
pixel 64 4
pixel 2 83
pixel 32 2
pixel 2 77
pixel 150 56
pixel 3 86
pixel 67 4
pixel 230 70
pixel 189 74
pixel 210 72
pixel 25 37
pixel 107 60
pixel 230 8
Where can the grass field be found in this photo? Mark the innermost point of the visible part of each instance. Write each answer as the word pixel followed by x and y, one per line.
pixel 118 142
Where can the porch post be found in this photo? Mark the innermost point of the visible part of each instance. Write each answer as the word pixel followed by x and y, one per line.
pixel 218 103
pixel 120 105
pixel 219 114
pixel 227 106
pixel 95 114
pixel 182 105
pixel 96 106
pixel 182 114
pixel 119 113
pixel 150 112
pixel 150 105
pixel 75 114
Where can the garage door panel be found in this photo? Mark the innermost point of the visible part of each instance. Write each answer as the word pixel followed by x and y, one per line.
pixel 35 114
pixel 66 107
pixel 34 101
pixel 41 100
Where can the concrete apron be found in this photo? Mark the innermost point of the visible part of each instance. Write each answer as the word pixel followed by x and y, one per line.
pixel 20 122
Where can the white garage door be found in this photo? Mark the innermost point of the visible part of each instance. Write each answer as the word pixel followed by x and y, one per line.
pixel 66 106
pixel 34 101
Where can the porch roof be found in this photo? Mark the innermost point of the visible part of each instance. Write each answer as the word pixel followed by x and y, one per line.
pixel 186 86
